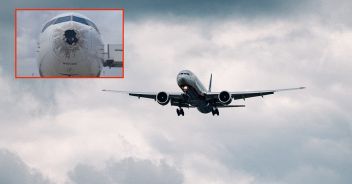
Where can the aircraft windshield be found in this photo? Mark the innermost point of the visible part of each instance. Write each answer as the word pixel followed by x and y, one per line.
pixel 48 24
pixel 63 19
pixel 80 20
pixel 70 18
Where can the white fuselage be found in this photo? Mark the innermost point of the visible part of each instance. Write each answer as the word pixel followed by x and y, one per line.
pixel 70 49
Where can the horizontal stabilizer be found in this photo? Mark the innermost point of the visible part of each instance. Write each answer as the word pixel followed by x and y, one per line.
pixel 113 56
pixel 111 63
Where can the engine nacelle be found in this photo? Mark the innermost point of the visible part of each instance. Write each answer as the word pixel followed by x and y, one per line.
pixel 162 98
pixel 225 97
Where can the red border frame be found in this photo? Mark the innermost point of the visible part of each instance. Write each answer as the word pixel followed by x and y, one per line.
pixel 79 9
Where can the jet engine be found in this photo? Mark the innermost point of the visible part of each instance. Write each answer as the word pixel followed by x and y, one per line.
pixel 162 98
pixel 225 97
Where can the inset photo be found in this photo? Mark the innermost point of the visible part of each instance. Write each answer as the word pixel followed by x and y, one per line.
pixel 69 43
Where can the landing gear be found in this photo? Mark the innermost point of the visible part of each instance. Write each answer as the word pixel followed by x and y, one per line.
pixel 180 111
pixel 215 111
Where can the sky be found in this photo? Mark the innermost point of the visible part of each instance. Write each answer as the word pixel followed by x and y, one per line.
pixel 69 132
pixel 30 24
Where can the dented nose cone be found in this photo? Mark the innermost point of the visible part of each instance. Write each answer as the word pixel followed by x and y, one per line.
pixel 71 37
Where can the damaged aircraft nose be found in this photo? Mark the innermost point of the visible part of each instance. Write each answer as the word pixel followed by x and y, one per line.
pixel 71 37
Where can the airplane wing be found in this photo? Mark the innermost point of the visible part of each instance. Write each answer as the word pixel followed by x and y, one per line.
pixel 247 94
pixel 177 98
pixel 180 99
pixel 150 95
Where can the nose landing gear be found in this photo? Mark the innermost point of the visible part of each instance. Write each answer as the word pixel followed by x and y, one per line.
pixel 215 111
pixel 180 111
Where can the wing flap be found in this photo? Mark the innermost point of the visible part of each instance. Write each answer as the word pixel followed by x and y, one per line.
pixel 143 95
pixel 237 96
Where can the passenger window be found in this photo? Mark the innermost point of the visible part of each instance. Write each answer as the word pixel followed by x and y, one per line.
pixel 63 19
pixel 80 20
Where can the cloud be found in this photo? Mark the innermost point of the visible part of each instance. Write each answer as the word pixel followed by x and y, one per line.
pixel 290 137
pixel 219 9
pixel 269 145
pixel 224 8
pixel 127 171
pixel 13 170
pixel 270 140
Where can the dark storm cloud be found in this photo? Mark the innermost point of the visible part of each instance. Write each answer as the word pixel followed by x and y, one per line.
pixel 210 8
pixel 14 171
pixel 127 171
pixel 207 8
pixel 135 9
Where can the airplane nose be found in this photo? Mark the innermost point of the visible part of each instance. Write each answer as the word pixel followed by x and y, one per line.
pixel 71 36
pixel 181 81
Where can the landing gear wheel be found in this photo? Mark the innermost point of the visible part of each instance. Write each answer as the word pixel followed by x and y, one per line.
pixel 215 111
pixel 180 112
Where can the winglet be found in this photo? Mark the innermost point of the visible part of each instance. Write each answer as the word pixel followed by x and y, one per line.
pixel 288 89
pixel 211 77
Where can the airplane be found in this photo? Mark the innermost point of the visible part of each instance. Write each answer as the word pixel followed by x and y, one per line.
pixel 70 45
pixel 195 95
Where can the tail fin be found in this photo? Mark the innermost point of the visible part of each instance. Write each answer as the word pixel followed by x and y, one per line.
pixel 211 77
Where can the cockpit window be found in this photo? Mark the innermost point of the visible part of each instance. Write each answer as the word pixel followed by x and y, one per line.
pixel 184 73
pixel 68 18
pixel 63 19
pixel 80 20
pixel 85 21
pixel 93 25
pixel 48 24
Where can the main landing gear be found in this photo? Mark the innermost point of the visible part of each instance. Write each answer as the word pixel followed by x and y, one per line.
pixel 180 111
pixel 215 111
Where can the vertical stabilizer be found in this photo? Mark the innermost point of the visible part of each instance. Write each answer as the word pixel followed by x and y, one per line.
pixel 211 77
